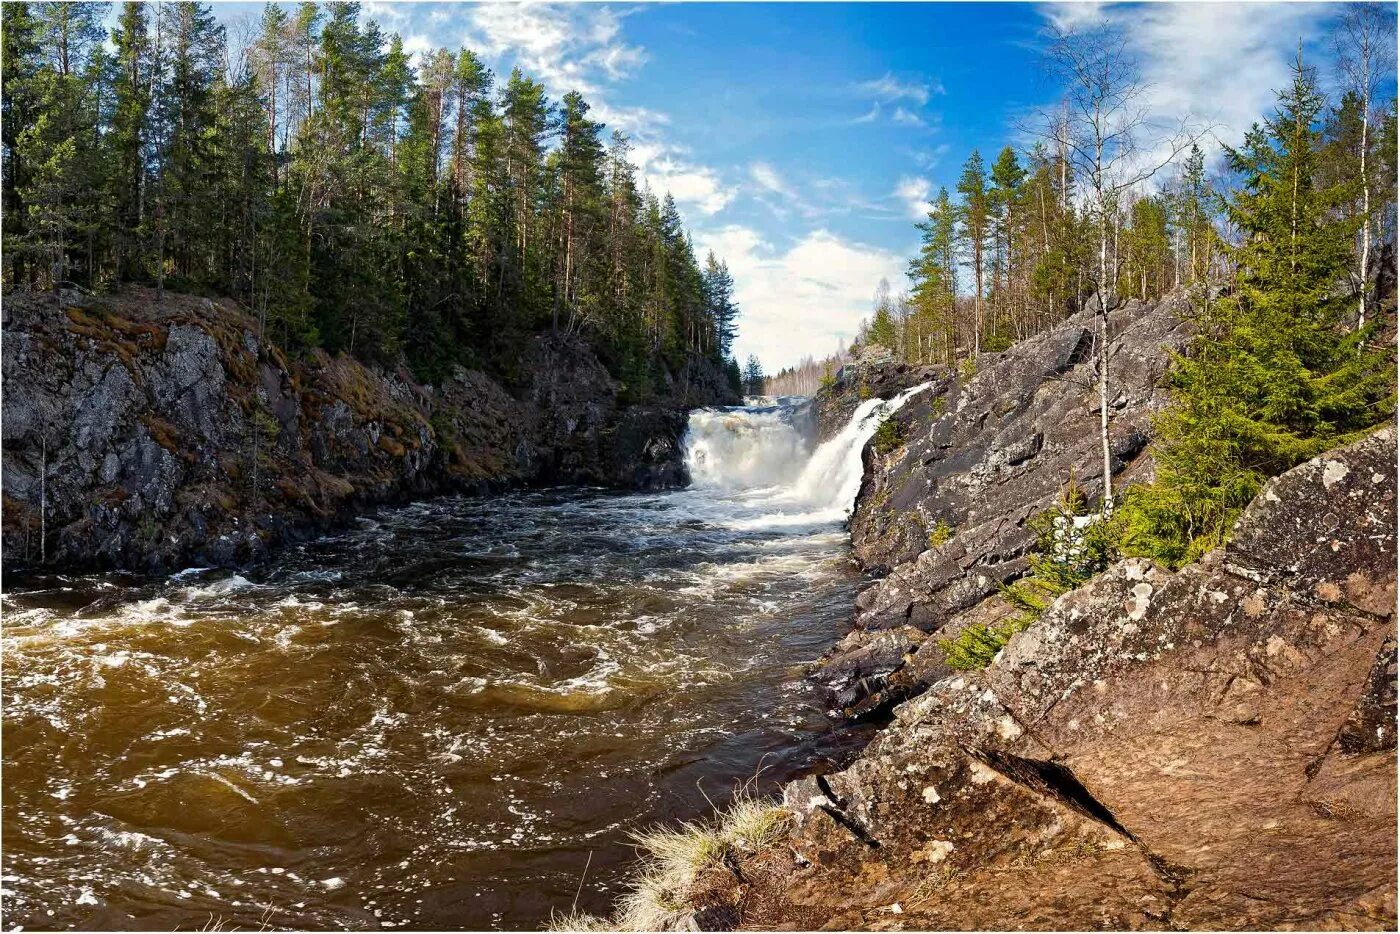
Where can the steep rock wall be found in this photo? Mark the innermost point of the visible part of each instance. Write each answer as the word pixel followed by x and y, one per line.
pixel 164 434
pixel 941 518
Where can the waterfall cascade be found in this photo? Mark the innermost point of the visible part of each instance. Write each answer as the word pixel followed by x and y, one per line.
pixel 769 452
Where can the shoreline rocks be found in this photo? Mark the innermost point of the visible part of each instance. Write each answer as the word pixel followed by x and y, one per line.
pixel 1209 748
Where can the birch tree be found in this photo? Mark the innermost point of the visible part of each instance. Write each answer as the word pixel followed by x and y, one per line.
pixel 1365 45
pixel 1113 146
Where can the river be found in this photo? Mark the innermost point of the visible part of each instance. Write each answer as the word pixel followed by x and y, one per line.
pixel 447 716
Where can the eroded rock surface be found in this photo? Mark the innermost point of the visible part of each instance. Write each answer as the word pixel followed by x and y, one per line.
pixel 164 433
pixel 1211 748
pixel 943 517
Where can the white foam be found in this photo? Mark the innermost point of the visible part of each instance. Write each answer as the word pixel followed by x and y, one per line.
pixel 763 458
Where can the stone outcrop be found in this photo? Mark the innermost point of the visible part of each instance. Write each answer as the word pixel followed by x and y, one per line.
pixel 873 373
pixel 1210 748
pixel 165 434
pixel 943 517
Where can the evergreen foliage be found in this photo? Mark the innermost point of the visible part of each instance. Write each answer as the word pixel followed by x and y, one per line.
pixel 1275 375
pixel 353 201
pixel 753 377
pixel 1073 543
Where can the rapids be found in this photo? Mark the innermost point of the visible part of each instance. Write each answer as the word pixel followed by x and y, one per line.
pixel 447 716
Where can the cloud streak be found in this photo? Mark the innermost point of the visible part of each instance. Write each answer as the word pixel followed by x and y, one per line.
pixel 1218 64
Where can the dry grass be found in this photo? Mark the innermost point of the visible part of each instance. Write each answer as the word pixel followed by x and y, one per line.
pixel 674 857
pixel 578 921
pixel 220 923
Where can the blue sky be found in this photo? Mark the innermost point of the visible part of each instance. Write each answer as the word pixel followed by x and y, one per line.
pixel 802 140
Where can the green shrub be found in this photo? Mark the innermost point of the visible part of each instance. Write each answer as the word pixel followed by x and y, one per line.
pixel 888 437
pixel 865 393
pixel 940 533
pixel 976 646
pixel 1066 555
pixel 998 340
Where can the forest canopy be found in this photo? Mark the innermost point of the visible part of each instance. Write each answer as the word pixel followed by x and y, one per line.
pixel 352 199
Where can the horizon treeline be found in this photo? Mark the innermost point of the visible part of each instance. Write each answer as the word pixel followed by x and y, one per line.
pixel 351 199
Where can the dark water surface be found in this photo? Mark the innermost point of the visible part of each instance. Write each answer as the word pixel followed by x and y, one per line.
pixel 429 721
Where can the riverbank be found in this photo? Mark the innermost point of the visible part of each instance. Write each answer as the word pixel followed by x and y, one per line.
pixel 142 432
pixel 451 714
pixel 1207 748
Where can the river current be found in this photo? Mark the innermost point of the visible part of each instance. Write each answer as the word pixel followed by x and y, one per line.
pixel 447 716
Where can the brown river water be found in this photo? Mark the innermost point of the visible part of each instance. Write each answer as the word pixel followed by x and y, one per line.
pixel 437 719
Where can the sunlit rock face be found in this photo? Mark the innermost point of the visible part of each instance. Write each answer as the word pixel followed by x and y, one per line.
pixel 1210 748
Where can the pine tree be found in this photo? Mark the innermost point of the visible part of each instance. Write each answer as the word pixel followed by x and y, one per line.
pixel 753 377
pixel 350 203
pixel 129 140
pixel 1007 177
pixel 734 376
pixel 192 55
pixel 1274 376
pixel 58 149
pixel 579 166
pixel 20 99
pixel 933 278
pixel 719 300
pixel 974 220
pixel 1193 216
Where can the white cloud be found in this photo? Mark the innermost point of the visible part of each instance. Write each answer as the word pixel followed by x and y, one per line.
pixel 870 116
pixel 630 120
pixel 767 178
pixel 779 195
pixel 417 44
pixel 803 299
pixel 908 118
pixel 1216 63
pixel 580 47
pixel 913 193
pixel 890 88
pixel 666 169
pixel 383 12
pixel 565 47
pixel 889 91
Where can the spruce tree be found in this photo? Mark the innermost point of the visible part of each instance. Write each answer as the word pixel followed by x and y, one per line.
pixel 1274 376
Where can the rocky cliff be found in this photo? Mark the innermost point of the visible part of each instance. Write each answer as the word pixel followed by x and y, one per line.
pixel 162 433
pixel 1211 748
pixel 942 515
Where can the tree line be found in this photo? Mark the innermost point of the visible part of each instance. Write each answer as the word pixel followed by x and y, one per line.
pixel 354 200
pixel 1025 242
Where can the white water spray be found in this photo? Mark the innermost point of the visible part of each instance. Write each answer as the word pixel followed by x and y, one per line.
pixel 767 452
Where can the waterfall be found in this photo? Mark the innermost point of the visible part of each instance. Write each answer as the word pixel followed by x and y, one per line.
pixel 768 452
